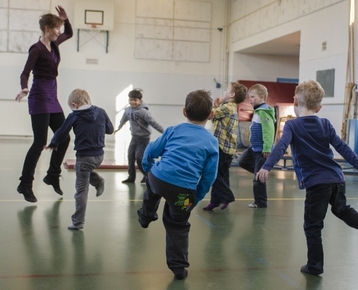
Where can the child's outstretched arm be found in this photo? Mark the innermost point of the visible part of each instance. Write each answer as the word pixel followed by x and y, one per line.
pixel 123 120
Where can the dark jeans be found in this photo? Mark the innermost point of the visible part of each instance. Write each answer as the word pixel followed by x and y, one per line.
pixel 220 190
pixel 317 199
pixel 252 162
pixel 135 153
pixel 40 124
pixel 177 208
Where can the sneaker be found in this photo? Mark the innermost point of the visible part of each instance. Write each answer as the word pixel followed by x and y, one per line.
pixel 55 182
pixel 75 227
pixel 100 188
pixel 27 192
pixel 181 276
pixel 142 224
pixel 128 181
pixel 304 269
pixel 211 206
pixel 144 180
pixel 254 205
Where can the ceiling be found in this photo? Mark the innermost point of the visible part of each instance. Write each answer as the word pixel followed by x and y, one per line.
pixel 288 45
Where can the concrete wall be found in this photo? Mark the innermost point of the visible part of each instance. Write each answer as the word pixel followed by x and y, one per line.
pixel 255 22
pixel 166 82
pixel 131 61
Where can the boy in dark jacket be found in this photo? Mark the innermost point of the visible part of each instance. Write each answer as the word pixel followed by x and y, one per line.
pixel 311 138
pixel 90 124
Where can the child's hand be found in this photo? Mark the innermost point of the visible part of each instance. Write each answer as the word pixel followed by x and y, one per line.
pixel 217 102
pixel 262 175
pixel 50 147
pixel 266 154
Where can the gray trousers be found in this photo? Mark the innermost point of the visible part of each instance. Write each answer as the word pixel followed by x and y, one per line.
pixel 85 175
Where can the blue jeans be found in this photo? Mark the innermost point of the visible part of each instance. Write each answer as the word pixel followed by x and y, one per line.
pixel 85 175
pixel 316 203
pixel 252 162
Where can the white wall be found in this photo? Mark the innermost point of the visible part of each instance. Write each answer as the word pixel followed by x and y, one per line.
pixel 163 81
pixel 317 21
pixel 264 67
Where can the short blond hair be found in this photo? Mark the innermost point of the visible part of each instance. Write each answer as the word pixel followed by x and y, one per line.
pixel 80 97
pixel 260 89
pixel 309 95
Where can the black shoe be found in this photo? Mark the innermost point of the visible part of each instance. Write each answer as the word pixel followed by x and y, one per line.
pixel 144 180
pixel 54 181
pixel 142 224
pixel 304 269
pixel 100 188
pixel 128 181
pixel 181 276
pixel 27 192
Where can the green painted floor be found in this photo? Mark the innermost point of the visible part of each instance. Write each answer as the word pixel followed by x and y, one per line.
pixel 236 248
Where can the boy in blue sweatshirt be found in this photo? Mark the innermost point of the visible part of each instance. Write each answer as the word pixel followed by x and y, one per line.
pixel 183 175
pixel 90 124
pixel 262 132
pixel 310 138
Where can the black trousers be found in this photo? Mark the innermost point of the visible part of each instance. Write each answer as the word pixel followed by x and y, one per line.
pixel 135 153
pixel 177 208
pixel 40 124
pixel 252 162
pixel 318 197
pixel 220 190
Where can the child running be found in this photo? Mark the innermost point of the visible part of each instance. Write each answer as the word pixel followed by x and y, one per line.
pixel 310 138
pixel 90 124
pixel 187 168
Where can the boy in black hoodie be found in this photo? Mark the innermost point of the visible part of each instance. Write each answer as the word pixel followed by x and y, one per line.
pixel 90 124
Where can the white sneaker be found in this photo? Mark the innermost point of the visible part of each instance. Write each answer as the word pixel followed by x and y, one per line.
pixel 75 227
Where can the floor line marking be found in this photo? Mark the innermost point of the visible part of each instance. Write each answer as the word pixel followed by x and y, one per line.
pixel 140 200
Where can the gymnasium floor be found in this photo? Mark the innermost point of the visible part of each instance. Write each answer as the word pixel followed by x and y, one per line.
pixel 238 248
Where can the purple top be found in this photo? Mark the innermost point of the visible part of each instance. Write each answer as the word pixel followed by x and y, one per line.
pixel 44 64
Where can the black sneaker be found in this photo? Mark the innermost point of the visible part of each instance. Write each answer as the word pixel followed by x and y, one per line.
pixel 27 192
pixel 144 180
pixel 128 181
pixel 304 269
pixel 100 188
pixel 55 182
pixel 182 275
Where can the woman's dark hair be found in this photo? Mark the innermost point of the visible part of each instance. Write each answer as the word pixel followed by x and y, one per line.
pixel 198 105
pixel 50 20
